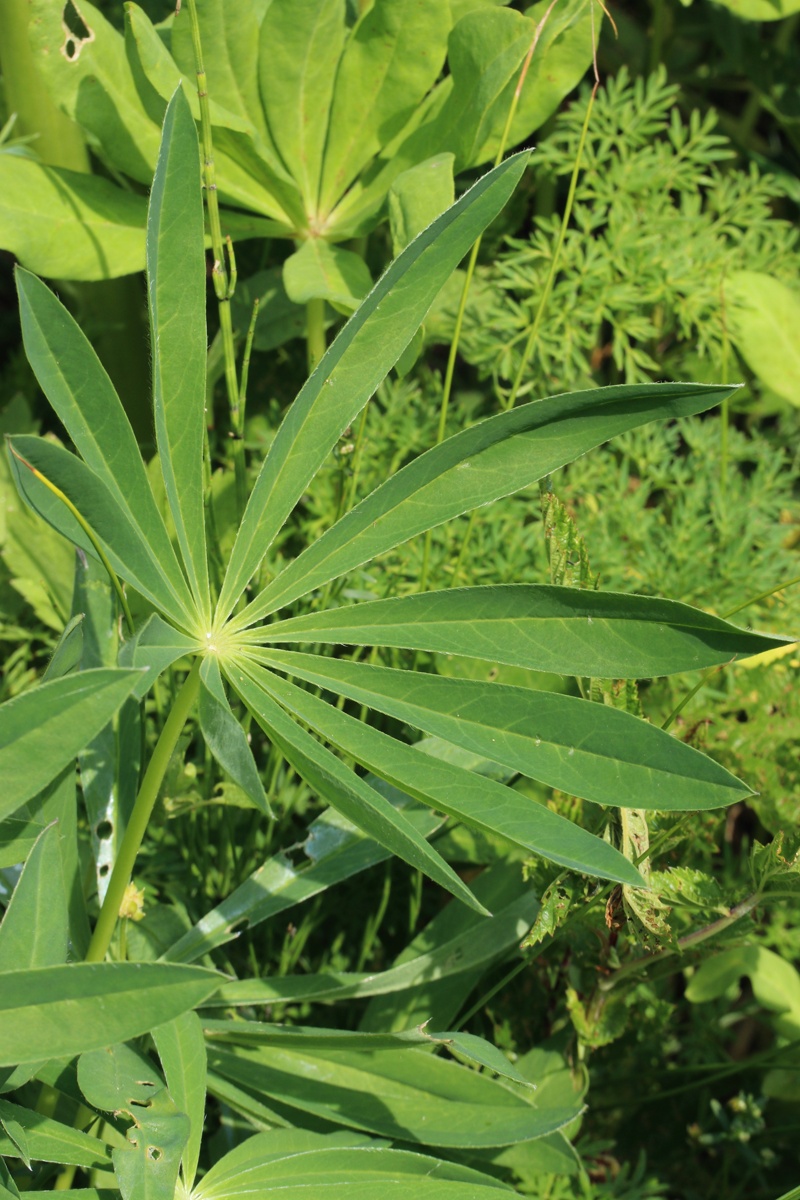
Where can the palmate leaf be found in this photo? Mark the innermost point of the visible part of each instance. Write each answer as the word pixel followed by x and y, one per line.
pixel 359 359
pixel 563 630
pixel 494 458
pixel 585 749
pixel 479 802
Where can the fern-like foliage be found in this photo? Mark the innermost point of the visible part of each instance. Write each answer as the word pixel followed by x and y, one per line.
pixel 661 218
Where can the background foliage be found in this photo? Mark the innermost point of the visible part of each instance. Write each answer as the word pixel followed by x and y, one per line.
pixel 671 1015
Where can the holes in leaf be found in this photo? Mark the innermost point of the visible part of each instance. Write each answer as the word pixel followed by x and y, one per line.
pixel 77 33
pixel 103 871
pixel 104 830
pixel 153 1153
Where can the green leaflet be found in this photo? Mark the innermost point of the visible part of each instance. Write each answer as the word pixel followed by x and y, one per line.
pixel 301 42
pixel 55 1012
pixel 563 630
pixel 116 530
pixel 347 792
pixel 76 384
pixel 764 315
pixel 225 737
pixel 122 1080
pixel 588 750
pixel 177 304
pixel 321 271
pixel 494 458
pixel 422 1098
pixel 52 1141
pixel 478 801
pixel 363 353
pixel 68 225
pixel 335 849
pixel 182 1051
pixel 43 730
pixel 392 58
pixel 153 648
pixel 35 928
pixel 294 1164
pixel 466 953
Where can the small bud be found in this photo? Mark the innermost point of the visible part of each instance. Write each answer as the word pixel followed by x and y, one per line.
pixel 132 905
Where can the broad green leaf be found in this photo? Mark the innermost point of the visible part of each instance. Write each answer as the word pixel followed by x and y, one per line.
pixel 775 982
pixel 55 1012
pixel 301 43
pixel 762 10
pixel 123 541
pixel 557 629
pixel 42 730
pixel 176 274
pixel 124 1081
pixel 477 801
pixel 392 58
pixel 229 35
pixel 361 356
pixel 478 1050
pixel 346 791
pixel 418 197
pixel 182 1051
pixel 764 315
pixel 494 458
pixel 88 75
pixel 422 1098
pixel 67 225
pixel 77 386
pixel 584 749
pixel 35 929
pixel 484 941
pixel 292 1164
pixel 485 54
pixel 321 271
pixel 335 849
pixel 249 175
pixel 152 649
pixel 51 1141
pixel 225 737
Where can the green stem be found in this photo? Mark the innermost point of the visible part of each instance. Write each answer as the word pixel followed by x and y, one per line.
pixel 315 332
pixel 224 282
pixel 473 258
pixel 142 810
pixel 548 287
pixel 685 943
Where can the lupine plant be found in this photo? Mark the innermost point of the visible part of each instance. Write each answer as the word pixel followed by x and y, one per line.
pixel 376 1114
